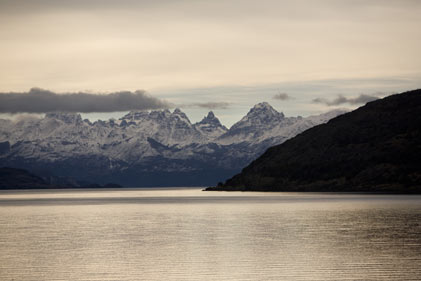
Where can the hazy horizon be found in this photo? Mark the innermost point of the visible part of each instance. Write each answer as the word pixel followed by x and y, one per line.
pixel 219 55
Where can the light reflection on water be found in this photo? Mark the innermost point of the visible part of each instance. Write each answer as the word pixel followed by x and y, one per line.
pixel 192 235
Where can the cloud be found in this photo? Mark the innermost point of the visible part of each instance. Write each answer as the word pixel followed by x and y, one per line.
pixel 361 99
pixel 210 105
pixel 281 96
pixel 41 101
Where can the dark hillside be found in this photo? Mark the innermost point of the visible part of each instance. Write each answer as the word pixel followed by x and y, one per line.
pixel 11 178
pixel 376 148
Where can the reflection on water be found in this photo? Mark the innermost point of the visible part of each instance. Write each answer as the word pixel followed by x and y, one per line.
pixel 193 235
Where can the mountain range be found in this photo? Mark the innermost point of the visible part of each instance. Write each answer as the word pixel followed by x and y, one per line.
pixel 375 148
pixel 146 148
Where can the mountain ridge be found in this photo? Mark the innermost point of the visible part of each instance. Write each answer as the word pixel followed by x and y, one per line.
pixel 375 148
pixel 145 148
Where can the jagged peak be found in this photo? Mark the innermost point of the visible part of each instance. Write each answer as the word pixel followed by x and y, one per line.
pixel 66 117
pixel 141 114
pixel 266 109
pixel 159 114
pixel 181 114
pixel 134 115
pixel 156 115
pixel 178 111
pixel 262 114
pixel 210 119
pixel 263 105
pixel 211 115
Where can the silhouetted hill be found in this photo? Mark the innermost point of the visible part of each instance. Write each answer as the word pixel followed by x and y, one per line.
pixel 11 178
pixel 376 148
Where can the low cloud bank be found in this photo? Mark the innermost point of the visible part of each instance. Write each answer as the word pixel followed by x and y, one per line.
pixel 210 105
pixel 41 101
pixel 281 96
pixel 361 99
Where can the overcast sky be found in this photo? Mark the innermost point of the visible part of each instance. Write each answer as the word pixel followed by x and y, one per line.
pixel 303 57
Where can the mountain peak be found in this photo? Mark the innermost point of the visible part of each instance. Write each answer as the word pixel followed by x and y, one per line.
pixel 392 165
pixel 260 118
pixel 181 114
pixel 263 105
pixel 211 126
pixel 211 115
pixel 211 119
pixel 66 117
pixel 264 111
pixel 178 111
pixel 135 115
pixel 143 144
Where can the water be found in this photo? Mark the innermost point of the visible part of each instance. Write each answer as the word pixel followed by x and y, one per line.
pixel 193 235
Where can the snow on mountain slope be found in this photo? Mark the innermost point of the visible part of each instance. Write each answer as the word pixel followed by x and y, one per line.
pixel 164 126
pixel 263 123
pixel 296 125
pixel 262 117
pixel 211 127
pixel 147 142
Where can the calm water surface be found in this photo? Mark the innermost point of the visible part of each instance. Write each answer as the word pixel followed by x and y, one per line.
pixel 187 234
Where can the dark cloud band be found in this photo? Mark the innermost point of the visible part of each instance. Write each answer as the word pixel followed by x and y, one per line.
pixel 281 96
pixel 41 101
pixel 361 99
pixel 210 105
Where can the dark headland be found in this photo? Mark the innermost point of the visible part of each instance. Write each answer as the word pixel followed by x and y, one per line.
pixel 375 148
pixel 12 178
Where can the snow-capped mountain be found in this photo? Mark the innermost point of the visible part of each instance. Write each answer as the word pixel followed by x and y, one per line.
pixel 261 119
pixel 211 127
pixel 163 126
pixel 146 148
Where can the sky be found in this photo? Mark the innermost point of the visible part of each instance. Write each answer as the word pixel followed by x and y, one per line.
pixel 303 57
